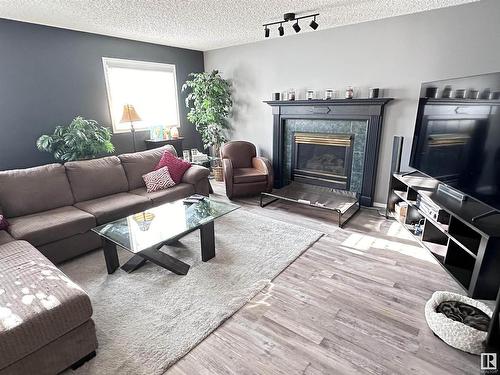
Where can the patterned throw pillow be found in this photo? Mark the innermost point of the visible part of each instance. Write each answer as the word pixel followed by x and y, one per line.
pixel 177 167
pixel 158 180
pixel 3 223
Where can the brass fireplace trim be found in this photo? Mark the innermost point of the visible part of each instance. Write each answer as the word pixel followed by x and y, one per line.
pixel 437 140
pixel 342 140
pixel 322 173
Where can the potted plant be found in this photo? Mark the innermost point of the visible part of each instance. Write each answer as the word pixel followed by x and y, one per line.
pixel 209 104
pixel 81 139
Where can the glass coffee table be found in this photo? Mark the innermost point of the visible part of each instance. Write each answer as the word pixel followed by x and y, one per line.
pixel 146 233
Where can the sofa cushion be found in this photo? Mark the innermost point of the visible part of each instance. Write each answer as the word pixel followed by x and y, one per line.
pixel 5 237
pixel 114 207
pixel 179 191
pixel 176 166
pixel 53 225
pixel 138 164
pixel 38 303
pixel 96 178
pixel 31 190
pixel 246 175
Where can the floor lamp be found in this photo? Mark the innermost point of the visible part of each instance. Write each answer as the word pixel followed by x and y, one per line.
pixel 130 115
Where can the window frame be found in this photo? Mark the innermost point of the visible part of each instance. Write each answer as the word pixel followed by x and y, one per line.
pixel 108 62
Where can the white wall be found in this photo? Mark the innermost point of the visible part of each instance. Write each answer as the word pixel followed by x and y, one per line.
pixel 396 54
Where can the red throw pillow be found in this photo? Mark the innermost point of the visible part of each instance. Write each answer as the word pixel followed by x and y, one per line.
pixel 158 180
pixel 3 223
pixel 177 167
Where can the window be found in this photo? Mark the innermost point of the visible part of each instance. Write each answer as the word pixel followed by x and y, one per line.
pixel 150 87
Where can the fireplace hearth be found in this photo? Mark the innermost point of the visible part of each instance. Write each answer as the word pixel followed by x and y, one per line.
pixel 322 159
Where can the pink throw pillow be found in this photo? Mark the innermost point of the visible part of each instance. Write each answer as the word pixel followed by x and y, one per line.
pixel 3 223
pixel 177 167
pixel 158 180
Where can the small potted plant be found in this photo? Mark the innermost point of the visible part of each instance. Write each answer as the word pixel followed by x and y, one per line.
pixel 209 104
pixel 81 139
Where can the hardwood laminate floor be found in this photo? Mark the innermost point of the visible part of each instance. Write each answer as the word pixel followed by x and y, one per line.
pixel 353 303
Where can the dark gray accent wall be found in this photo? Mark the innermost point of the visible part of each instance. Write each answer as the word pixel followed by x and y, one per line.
pixel 50 75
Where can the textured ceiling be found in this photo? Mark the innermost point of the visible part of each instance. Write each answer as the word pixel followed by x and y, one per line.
pixel 202 24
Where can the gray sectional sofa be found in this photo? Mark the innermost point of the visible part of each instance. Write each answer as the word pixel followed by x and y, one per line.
pixel 45 319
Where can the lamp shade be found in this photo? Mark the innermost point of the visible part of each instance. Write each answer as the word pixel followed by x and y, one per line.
pixel 129 114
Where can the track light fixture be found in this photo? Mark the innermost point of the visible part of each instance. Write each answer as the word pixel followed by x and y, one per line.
pixel 287 17
pixel 296 26
pixel 313 24
pixel 281 30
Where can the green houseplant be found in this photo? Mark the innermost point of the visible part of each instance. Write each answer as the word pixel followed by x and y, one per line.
pixel 81 139
pixel 209 104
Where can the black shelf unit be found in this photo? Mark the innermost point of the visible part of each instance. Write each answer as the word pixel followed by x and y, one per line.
pixel 469 251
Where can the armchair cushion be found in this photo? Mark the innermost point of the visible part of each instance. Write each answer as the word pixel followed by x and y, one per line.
pixel 246 175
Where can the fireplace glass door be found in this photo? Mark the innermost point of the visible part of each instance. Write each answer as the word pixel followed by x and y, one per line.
pixel 322 159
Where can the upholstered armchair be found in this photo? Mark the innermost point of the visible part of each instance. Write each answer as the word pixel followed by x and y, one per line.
pixel 244 172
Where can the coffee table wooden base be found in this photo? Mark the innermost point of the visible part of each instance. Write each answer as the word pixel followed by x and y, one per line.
pixel 155 255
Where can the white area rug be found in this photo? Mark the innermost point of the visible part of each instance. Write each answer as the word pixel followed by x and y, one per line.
pixel 149 319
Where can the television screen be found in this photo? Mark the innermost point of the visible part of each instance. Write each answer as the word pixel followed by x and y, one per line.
pixel 457 136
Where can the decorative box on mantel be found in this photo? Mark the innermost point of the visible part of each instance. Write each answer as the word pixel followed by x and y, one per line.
pixel 333 143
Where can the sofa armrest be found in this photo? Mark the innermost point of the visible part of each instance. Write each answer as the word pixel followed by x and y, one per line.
pixel 227 166
pixel 264 166
pixel 195 174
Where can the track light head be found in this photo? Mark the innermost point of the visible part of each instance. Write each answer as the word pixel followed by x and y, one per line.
pixel 281 30
pixel 266 32
pixel 314 25
pixel 296 27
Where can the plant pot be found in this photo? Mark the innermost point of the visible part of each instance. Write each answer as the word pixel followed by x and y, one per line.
pixel 218 175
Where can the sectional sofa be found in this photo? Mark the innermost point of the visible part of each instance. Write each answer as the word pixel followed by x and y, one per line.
pixel 45 318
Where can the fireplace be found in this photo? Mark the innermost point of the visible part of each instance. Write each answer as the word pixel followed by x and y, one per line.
pixel 351 166
pixel 322 159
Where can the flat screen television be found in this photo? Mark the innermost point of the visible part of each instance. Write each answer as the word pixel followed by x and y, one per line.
pixel 457 135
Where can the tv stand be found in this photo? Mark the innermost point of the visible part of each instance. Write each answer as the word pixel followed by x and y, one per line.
pixel 464 237
pixel 486 214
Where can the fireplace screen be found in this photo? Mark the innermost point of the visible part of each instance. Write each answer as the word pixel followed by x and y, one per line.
pixel 322 159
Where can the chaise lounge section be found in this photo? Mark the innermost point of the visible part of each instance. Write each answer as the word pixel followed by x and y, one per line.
pixel 45 318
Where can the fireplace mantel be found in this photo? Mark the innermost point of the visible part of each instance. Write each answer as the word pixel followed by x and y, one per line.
pixel 369 110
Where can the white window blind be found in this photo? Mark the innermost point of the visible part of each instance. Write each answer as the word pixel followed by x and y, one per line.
pixel 150 87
